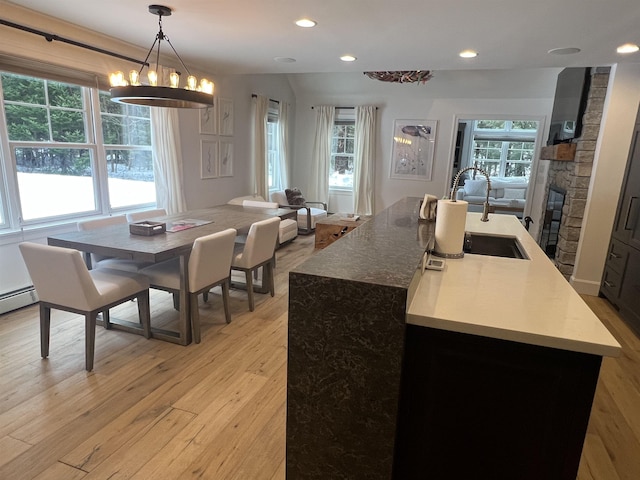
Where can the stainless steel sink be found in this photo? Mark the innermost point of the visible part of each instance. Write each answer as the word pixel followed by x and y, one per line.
pixel 494 246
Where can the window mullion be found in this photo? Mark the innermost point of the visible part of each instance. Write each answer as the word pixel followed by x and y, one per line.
pixel 100 174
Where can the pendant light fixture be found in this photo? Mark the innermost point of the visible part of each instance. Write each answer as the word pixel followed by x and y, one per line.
pixel 155 93
pixel 402 76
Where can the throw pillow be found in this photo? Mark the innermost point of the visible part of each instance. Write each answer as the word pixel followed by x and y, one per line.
pixel 475 187
pixel 294 197
pixel 514 193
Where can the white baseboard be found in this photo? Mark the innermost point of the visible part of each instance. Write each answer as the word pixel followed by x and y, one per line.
pixel 585 287
pixel 17 299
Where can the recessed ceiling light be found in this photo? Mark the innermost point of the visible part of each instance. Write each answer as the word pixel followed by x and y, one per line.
pixel 348 58
pixel 564 51
pixel 284 59
pixel 628 48
pixel 306 23
pixel 468 54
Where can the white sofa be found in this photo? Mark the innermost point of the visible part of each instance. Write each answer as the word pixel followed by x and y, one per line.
pixel 288 227
pixel 505 191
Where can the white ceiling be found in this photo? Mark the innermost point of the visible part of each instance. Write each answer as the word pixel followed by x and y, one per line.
pixel 244 36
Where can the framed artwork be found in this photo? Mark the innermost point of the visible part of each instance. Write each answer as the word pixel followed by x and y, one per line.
pixel 225 112
pixel 208 159
pixel 413 148
pixel 207 120
pixel 226 158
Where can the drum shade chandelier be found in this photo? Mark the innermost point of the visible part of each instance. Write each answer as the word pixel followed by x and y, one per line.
pixel 156 94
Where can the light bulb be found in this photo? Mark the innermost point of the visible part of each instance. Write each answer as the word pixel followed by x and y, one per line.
pixel 134 77
pixel 174 80
pixel 206 86
pixel 153 78
pixel 116 79
pixel 192 82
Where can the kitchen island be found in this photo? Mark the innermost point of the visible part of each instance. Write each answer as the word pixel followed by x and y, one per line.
pixel 484 370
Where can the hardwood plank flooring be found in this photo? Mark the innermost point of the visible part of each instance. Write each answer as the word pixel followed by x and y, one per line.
pixel 216 410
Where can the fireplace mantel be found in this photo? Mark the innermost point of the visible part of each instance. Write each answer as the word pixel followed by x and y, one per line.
pixel 564 152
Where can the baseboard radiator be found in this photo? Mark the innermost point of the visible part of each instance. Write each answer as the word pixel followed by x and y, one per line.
pixel 17 299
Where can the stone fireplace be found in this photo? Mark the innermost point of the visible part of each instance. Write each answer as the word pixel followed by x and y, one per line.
pixel 574 175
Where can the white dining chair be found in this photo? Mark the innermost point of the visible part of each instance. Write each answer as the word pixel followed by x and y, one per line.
pixel 209 266
pixel 258 251
pixel 103 261
pixel 63 282
pixel 145 215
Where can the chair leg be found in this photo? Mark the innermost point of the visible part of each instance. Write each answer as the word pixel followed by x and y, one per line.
pixel 90 339
pixel 106 322
pixel 195 317
pixel 144 313
pixel 250 289
pixel 269 267
pixel 176 301
pixel 45 327
pixel 205 296
pixel 225 300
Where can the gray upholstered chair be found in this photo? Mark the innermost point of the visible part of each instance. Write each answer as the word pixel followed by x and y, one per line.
pixel 102 261
pixel 258 251
pixel 209 266
pixel 307 216
pixel 63 281
pixel 145 215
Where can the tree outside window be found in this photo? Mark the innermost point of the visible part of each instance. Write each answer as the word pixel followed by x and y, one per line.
pixel 342 152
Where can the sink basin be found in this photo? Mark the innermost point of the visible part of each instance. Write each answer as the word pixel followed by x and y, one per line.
pixel 494 246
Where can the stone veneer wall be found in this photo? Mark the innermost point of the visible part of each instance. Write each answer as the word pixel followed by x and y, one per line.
pixel 575 176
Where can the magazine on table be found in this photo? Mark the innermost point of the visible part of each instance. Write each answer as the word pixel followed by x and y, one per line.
pixel 187 223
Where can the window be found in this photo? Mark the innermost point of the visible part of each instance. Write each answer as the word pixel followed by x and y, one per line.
pixel 504 148
pixel 126 133
pixel 342 151
pixel 273 148
pixel 69 160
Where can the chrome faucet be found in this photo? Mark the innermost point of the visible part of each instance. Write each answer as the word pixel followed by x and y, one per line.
pixel 454 190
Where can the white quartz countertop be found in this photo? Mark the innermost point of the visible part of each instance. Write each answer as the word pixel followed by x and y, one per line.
pixel 527 301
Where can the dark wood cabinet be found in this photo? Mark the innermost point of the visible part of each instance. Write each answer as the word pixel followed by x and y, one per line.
pixel 621 277
pixel 473 407
pixel 627 225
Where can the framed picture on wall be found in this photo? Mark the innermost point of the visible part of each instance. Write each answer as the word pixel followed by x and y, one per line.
pixel 413 149
pixel 208 159
pixel 208 121
pixel 225 113
pixel 226 158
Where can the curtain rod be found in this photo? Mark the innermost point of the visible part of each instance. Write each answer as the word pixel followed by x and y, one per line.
pixel 253 95
pixel 341 108
pixel 50 37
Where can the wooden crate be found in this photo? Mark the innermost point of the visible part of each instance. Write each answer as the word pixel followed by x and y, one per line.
pixel 334 227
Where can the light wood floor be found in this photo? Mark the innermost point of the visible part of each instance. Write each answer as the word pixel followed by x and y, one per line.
pixel 215 411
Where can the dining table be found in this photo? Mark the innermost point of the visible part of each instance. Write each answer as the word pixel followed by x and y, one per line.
pixel 176 242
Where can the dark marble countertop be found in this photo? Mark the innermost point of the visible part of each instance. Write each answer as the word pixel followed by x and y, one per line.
pixel 384 251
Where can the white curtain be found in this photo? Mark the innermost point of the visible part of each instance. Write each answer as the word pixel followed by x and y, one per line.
pixel 283 139
pixel 167 159
pixel 321 155
pixel 259 116
pixel 364 158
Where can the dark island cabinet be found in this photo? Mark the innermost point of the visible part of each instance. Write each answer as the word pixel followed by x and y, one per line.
pixel 474 407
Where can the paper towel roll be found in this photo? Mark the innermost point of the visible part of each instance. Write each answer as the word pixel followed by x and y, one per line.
pixel 450 224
